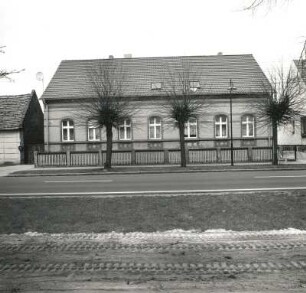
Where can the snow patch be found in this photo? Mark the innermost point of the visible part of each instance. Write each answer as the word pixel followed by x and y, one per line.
pixel 169 232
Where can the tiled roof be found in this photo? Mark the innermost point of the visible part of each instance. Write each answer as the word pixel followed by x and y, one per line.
pixel 13 110
pixel 214 72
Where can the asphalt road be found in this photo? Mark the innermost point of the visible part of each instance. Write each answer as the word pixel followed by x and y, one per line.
pixel 140 183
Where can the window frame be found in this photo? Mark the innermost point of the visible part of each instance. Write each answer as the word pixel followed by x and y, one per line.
pixel 155 125
pixel 194 85
pixel 293 126
pixel 303 126
pixel 188 126
pixel 68 127
pixel 123 125
pixel 247 124
pixel 219 124
pixel 95 129
pixel 158 85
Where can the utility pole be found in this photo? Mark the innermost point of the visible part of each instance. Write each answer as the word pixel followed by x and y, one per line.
pixel 231 89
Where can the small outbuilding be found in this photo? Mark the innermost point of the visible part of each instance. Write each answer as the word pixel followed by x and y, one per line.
pixel 21 128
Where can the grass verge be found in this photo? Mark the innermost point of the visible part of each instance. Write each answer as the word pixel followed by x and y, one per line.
pixel 232 211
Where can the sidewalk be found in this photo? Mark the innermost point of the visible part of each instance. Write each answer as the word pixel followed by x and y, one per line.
pixel 29 170
pixel 6 170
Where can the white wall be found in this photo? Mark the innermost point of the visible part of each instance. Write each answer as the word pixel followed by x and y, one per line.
pixel 291 133
pixel 145 109
pixel 9 142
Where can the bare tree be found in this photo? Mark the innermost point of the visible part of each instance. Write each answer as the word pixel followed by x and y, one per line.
pixel 254 5
pixel 7 73
pixel 183 103
pixel 107 107
pixel 283 103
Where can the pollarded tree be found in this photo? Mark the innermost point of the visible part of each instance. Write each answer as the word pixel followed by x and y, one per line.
pixel 183 103
pixel 107 107
pixel 7 73
pixel 284 103
pixel 253 5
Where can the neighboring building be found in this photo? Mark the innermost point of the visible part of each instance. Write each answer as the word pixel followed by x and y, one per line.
pixel 145 85
pixel 21 128
pixel 295 132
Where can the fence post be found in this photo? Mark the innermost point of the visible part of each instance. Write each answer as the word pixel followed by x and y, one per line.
pixel 250 154
pixel 68 159
pixel 295 150
pixel 133 157
pixel 100 158
pixel 35 159
pixel 166 156
pixel 218 155
pixel 187 154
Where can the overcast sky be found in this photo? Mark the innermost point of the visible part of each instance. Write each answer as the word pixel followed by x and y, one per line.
pixel 38 34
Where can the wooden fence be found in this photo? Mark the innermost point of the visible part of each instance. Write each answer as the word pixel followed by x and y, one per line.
pixel 153 157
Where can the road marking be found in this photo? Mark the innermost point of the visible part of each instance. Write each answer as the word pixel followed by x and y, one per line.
pixel 78 181
pixel 280 176
pixel 142 193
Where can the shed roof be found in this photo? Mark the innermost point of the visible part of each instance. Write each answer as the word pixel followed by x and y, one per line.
pixel 213 72
pixel 13 110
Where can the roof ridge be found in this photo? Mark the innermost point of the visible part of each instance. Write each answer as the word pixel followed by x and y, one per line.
pixel 160 57
pixel 15 96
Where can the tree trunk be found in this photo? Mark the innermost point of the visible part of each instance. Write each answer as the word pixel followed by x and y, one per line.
pixel 274 144
pixel 182 144
pixel 109 147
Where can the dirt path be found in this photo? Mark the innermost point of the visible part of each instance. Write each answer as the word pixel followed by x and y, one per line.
pixel 174 261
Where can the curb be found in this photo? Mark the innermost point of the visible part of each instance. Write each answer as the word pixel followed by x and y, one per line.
pixel 122 172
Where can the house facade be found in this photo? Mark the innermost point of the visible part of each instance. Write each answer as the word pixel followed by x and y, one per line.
pixel 295 132
pixel 21 128
pixel 146 84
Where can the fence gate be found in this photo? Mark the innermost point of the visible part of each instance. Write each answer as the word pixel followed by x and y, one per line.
pixel 29 150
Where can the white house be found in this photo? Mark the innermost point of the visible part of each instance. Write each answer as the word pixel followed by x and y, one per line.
pixel 145 86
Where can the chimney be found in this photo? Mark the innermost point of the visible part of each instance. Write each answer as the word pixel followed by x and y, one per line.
pixel 111 57
pixel 127 55
pixel 220 53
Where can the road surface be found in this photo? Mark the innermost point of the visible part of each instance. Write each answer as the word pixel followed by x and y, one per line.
pixel 177 261
pixel 141 183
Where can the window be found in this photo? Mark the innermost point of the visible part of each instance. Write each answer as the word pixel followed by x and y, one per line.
pixel 221 126
pixel 156 85
pixel 194 85
pixel 93 131
pixel 247 126
pixel 125 130
pixel 67 130
pixel 155 128
pixel 292 126
pixel 303 126
pixel 191 128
